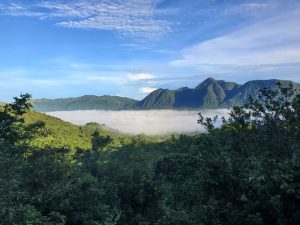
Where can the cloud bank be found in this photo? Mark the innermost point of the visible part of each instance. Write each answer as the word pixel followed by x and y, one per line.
pixel 274 41
pixel 152 122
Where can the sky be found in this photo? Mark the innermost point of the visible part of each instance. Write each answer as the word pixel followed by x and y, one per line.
pixel 69 48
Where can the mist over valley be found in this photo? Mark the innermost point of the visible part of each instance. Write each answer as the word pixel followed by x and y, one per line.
pixel 149 122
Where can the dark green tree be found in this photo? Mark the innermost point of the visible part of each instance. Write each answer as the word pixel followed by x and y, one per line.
pixel 245 172
pixel 15 136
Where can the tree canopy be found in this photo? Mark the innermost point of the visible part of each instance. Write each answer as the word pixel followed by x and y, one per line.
pixel 246 171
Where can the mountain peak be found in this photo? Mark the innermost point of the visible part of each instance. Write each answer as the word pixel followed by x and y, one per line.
pixel 209 79
pixel 206 83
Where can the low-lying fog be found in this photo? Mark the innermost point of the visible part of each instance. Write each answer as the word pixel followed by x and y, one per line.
pixel 150 122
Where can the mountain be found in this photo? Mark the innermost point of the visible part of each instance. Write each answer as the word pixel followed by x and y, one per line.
pixel 83 103
pixel 159 99
pixel 209 94
pixel 251 88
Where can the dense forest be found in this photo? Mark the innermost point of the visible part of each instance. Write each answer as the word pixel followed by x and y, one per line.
pixel 246 171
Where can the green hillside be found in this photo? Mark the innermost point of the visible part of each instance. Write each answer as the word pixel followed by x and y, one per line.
pixel 58 133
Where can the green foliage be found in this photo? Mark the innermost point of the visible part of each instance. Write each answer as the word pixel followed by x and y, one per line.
pixel 245 172
pixel 100 142
pixel 14 138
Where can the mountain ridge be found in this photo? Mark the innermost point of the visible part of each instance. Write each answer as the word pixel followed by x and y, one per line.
pixel 91 102
pixel 209 94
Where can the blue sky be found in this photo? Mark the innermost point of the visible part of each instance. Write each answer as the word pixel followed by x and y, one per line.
pixel 65 48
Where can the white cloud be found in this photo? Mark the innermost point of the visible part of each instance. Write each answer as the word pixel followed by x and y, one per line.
pixel 273 41
pixel 146 90
pixel 133 18
pixel 140 77
pixel 119 78
pixel 14 9
pixel 250 8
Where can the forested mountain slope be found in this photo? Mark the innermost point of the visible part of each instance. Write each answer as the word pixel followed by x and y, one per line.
pixel 209 94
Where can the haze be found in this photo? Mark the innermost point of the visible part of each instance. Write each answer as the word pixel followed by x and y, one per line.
pixel 150 122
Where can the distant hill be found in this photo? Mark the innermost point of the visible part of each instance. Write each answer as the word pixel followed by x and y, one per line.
pixel 83 103
pixel 209 94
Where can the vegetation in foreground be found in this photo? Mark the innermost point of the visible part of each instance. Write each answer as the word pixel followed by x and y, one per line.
pixel 245 172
